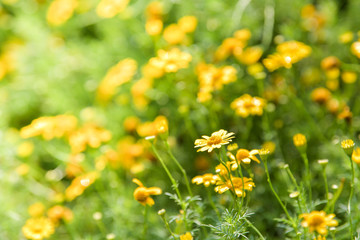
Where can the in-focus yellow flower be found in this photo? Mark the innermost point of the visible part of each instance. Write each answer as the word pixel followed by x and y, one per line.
pixel 348 146
pixel 246 156
pixel 60 11
pixel 142 194
pixel 356 155
pixel 173 34
pixel 186 236
pixel 205 179
pixel 318 221
pixel 188 24
pixel 216 140
pixel 36 210
pixel 247 105
pixel 222 170
pixel 240 185
pixel 38 228
pixel 58 212
pixel 299 140
pixel 109 8
pixel 355 49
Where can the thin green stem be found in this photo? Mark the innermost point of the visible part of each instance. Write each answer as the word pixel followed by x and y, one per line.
pixel 350 197
pixel 308 176
pixel 212 203
pixel 145 227
pixel 255 229
pixel 326 184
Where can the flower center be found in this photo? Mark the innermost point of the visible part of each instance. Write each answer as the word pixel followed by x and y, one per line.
pixel 317 220
pixel 214 140
pixel 141 194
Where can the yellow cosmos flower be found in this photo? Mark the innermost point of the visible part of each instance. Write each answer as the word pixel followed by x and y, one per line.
pixel 356 155
pixel 142 194
pixel 186 236
pixel 247 105
pixel 240 185
pixel 318 221
pixel 38 228
pixel 216 140
pixel 206 179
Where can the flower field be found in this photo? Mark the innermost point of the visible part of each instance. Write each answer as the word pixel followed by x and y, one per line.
pixel 207 119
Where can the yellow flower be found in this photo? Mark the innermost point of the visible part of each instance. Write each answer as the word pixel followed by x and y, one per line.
pixel 109 8
pixel 142 194
pixel 186 236
pixel 58 212
pixel 240 185
pixel 22 169
pixel 36 209
pixel 38 228
pixel 216 140
pixel 188 24
pixel 206 179
pixel 349 77
pixel 25 149
pixel 299 140
pixel 320 238
pixel 154 27
pixel 154 10
pixel 60 11
pixel 79 184
pixel 356 155
pixel 321 95
pixel 246 156
pixel 171 61
pixel 222 170
pixel 348 146
pixel 173 34
pixel 318 221
pixel 247 105
pixel 250 55
pixel 355 49
pixel 270 146
pixel 329 63
pixel 116 76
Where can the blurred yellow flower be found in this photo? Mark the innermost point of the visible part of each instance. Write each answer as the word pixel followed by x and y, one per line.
pixel 171 61
pixel 188 24
pixel 236 185
pixel 58 212
pixel 138 92
pixel 356 155
pixel 173 34
pixel 270 146
pixel 25 149
pixel 154 27
pixel 116 76
pixel 247 105
pixel 79 184
pixel 22 169
pixel 216 140
pixel 154 10
pixel 355 49
pixel 250 55
pixel 321 95
pixel 346 37
pixel 222 170
pixel 329 63
pixel 36 210
pixel 158 126
pixel 299 140
pixel 142 194
pixel 109 8
pixel 60 11
pixel 50 127
pixel 38 228
pixel 318 221
pixel 186 236
pixel 349 77
pixel 205 179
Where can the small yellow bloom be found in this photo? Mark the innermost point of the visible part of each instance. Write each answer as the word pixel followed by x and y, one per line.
pixel 222 170
pixel 247 105
pixel 318 221
pixel 250 55
pixel 299 140
pixel 171 61
pixel 25 149
pixel 58 212
pixel 348 146
pixel 154 27
pixel 142 194
pixel 173 34
pixel 329 63
pixel 22 169
pixel 349 77
pixel 320 238
pixel 60 11
pixel 186 236
pixel 270 146
pixel 246 156
pixel 240 185
pixel 79 184
pixel 356 155
pixel 206 179
pixel 346 37
pixel 36 210
pixel 216 140
pixel 38 228
pixel 355 49
pixel 188 24
pixel 109 8
pixel 154 10
pixel 321 95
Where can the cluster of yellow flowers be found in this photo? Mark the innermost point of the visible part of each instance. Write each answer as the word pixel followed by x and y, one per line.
pixel 170 61
pixel 60 11
pixel 154 15
pixel 313 20
pixel 110 8
pixel 39 226
pixel 117 75
pixel 176 33
pixel 212 78
pixel 50 127
pixel 79 184
pixel 157 127
pixel 8 57
pixel 287 53
pixel 247 105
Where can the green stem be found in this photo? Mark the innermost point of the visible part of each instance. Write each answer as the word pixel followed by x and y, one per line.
pixel 255 229
pixel 350 197
pixel 145 222
pixel 278 198
pixel 212 203
pixel 326 184
pixel 308 176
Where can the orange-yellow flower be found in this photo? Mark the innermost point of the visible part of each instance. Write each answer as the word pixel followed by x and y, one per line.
pixel 142 194
pixel 60 11
pixel 236 185
pixel 38 228
pixel 205 179
pixel 356 155
pixel 186 236
pixel 58 212
pixel 216 140
pixel 247 105
pixel 187 24
pixel 355 49
pixel 318 221
pixel 246 156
